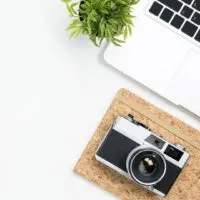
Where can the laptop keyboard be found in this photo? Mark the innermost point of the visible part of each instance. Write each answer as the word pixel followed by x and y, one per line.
pixel 183 15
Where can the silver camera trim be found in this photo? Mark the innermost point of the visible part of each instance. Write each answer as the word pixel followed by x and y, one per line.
pixel 143 149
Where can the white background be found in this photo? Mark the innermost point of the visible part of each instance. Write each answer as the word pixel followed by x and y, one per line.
pixel 53 94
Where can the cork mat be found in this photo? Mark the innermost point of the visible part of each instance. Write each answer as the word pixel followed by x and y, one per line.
pixel 187 186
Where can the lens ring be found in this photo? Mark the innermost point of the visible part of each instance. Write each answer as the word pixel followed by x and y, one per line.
pixel 143 175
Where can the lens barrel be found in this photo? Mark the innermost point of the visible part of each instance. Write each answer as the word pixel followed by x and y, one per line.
pixel 146 166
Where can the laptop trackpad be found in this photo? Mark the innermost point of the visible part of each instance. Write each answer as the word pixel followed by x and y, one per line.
pixel 184 89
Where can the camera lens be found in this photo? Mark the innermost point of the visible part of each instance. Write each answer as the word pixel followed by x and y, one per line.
pixel 146 166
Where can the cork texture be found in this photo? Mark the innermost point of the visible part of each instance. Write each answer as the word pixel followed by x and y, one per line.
pixel 187 186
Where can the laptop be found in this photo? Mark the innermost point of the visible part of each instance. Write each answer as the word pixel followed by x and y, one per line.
pixel 163 52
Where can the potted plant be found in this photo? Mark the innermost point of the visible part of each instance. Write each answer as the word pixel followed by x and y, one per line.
pixel 101 19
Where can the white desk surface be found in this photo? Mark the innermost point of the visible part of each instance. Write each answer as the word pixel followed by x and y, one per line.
pixel 53 94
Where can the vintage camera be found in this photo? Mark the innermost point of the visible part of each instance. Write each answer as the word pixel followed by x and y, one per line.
pixel 134 151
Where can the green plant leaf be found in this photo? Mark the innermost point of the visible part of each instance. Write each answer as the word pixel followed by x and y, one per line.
pixel 104 11
pixel 125 33
pixel 93 39
pixel 66 1
pixel 89 29
pixel 130 30
pixel 135 1
pixel 101 19
pixel 72 35
pixel 112 5
pixel 113 21
pixel 121 2
pixel 104 2
pixel 102 27
pixel 128 20
pixel 117 42
pixel 74 24
pixel 78 32
pixel 74 4
pixel 101 40
pixel 69 9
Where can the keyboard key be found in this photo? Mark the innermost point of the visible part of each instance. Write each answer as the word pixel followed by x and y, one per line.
pixel 186 12
pixel 197 37
pixel 196 5
pixel 196 18
pixel 189 29
pixel 166 15
pixel 177 21
pixel 187 1
pixel 156 8
pixel 173 4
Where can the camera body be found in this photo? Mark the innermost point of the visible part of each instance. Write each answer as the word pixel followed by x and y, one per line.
pixel 131 149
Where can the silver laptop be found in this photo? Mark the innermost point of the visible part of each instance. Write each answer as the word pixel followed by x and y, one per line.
pixel 163 52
